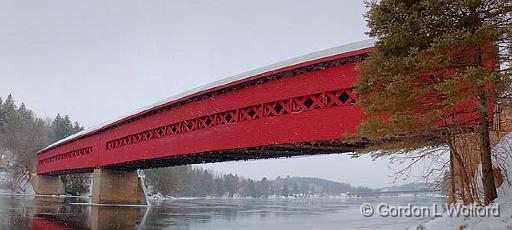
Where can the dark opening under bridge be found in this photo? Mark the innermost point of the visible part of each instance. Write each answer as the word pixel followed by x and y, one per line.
pixel 302 106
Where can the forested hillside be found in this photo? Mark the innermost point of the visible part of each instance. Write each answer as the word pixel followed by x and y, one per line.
pixel 22 134
pixel 197 182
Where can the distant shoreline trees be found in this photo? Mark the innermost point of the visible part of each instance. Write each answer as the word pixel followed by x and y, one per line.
pixel 190 181
pixel 22 134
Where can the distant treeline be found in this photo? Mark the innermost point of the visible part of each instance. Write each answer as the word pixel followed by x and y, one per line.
pixel 197 182
pixel 22 134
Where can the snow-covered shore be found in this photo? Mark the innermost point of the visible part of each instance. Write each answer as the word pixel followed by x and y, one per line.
pixel 504 200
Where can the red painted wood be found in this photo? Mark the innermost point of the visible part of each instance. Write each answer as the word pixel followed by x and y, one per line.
pixel 78 162
pixel 250 78
pixel 314 125
pixel 277 130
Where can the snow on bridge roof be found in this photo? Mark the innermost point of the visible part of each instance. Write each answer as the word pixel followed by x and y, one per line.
pixel 226 82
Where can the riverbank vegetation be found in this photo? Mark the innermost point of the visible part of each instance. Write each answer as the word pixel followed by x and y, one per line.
pixel 22 134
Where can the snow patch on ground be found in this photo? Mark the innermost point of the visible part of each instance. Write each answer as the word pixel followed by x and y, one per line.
pixel 26 186
pixel 503 151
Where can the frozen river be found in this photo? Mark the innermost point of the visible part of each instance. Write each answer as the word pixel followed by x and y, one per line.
pixel 28 212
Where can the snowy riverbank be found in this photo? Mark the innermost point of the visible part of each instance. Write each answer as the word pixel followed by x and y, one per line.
pixel 504 200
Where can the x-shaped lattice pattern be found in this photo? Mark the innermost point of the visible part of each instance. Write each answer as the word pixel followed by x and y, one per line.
pixel 274 108
pixel 66 155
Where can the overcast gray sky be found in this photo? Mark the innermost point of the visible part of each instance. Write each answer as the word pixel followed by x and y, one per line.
pixel 99 59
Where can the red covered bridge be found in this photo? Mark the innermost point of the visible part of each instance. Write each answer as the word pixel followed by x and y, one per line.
pixel 300 106
pixel 297 107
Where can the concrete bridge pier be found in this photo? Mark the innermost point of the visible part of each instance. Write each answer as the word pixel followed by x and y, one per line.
pixel 48 185
pixel 118 187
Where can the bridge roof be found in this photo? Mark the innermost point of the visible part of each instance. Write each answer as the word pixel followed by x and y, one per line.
pixel 330 54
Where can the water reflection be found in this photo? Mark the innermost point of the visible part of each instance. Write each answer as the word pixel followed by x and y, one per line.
pixel 46 213
pixel 115 217
pixel 73 213
pixel 27 212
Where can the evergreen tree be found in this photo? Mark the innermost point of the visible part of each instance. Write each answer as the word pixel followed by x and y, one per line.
pixel 285 191
pixel 77 127
pixel 251 188
pixel 295 189
pixel 231 184
pixel 2 116
pixel 433 73
pixel 9 105
pixel 219 187
pixel 62 127
pixel 22 134
pixel 263 187
pixel 161 180
pixel 76 184
pixel 12 124
pixel 206 186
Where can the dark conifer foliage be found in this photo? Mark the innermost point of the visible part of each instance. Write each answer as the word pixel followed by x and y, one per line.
pixel 435 71
pixel 22 134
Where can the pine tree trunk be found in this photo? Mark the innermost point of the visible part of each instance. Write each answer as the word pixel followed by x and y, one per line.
pixel 485 143
pixel 485 147
pixel 451 186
